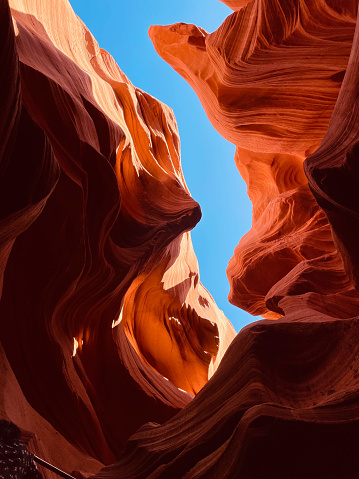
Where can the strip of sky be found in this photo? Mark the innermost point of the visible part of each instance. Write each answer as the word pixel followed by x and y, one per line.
pixel 207 159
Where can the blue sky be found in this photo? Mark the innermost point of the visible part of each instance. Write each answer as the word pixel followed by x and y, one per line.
pixel 121 27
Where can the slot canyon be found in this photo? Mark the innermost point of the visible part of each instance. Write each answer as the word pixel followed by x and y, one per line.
pixel 116 362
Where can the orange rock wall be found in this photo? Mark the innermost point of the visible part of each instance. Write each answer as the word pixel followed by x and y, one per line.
pixel 268 79
pixel 280 81
pixel 106 331
pixel 104 322
pixel 333 169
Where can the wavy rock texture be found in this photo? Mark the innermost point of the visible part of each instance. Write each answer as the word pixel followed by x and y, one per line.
pixel 295 70
pixel 235 4
pixel 333 169
pixel 283 403
pixel 285 399
pixel 268 79
pixel 104 323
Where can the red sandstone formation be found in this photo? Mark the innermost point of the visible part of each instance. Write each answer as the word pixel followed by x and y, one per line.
pixel 295 70
pixel 268 79
pixel 333 169
pixel 284 402
pixel 104 323
pixel 235 4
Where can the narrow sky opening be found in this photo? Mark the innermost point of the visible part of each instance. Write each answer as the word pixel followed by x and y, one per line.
pixel 121 28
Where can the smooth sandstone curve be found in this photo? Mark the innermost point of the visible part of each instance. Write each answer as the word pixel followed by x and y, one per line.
pixel 285 399
pixel 95 245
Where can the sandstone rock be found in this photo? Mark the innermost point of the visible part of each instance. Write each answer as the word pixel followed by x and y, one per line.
pixel 294 53
pixel 105 324
pixel 285 400
pixel 283 403
pixel 247 76
pixel 235 4
pixel 333 169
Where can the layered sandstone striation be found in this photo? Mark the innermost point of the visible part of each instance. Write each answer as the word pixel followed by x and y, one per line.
pixel 280 81
pixel 295 70
pixel 269 78
pixel 283 403
pixel 104 322
pixel 105 327
pixel 333 169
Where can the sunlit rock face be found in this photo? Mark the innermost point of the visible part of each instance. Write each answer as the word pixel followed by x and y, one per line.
pixel 104 322
pixel 284 402
pixel 269 78
pixel 295 69
pixel 235 4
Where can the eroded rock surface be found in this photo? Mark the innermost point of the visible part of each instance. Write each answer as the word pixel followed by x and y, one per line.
pixel 285 399
pixel 295 70
pixel 269 78
pixel 333 169
pixel 104 322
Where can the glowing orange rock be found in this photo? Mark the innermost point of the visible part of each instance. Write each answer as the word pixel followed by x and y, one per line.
pixel 108 326
pixel 285 400
pixel 105 325
pixel 295 70
pixel 278 380
pixel 235 4
pixel 268 79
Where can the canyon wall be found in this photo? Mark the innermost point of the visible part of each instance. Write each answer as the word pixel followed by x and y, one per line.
pixel 108 337
pixel 280 81
pixel 105 325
